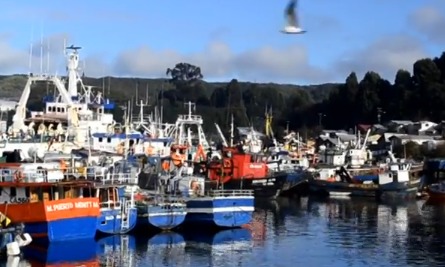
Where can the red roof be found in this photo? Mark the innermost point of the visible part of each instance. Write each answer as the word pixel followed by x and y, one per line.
pixel 364 127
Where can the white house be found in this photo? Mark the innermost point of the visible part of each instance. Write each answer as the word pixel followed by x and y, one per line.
pixel 422 128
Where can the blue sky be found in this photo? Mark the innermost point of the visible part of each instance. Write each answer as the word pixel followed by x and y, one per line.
pixel 228 39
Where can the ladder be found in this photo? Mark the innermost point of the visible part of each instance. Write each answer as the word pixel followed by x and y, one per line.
pixel 125 207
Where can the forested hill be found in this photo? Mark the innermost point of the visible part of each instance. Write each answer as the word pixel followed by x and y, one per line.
pixel 414 96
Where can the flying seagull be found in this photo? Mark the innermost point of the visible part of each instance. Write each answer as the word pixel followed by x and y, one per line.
pixel 292 26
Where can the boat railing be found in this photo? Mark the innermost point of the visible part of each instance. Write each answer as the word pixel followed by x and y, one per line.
pixel 229 192
pixel 30 176
pixel 120 178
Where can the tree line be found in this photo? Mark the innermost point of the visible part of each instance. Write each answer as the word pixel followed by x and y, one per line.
pixel 411 96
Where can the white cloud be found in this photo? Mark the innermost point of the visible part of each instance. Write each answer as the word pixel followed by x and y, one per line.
pixel 385 56
pixel 429 21
pixel 218 60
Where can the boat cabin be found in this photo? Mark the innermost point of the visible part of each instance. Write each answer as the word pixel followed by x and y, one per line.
pixel 237 165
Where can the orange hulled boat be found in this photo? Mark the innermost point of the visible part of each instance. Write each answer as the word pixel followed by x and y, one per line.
pixel 50 208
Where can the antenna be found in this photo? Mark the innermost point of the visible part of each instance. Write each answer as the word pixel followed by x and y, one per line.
pixel 140 103
pixel 103 81
pixel 47 56
pixel 109 84
pixel 146 93
pixel 30 48
pixel 64 46
pixel 41 47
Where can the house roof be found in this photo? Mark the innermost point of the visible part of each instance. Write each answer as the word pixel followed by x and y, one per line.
pixel 379 127
pixel 346 137
pixel 387 136
pixel 416 137
pixel 374 137
pixel 364 127
pixel 401 122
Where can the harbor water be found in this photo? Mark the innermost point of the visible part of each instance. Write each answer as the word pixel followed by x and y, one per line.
pixel 286 232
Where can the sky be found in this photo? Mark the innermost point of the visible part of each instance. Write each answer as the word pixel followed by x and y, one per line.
pixel 227 39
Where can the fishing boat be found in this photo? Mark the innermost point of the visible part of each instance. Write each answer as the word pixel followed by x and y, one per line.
pixel 118 215
pixel 115 185
pixel 160 212
pixel 50 208
pixel 295 168
pixel 396 180
pixel 239 170
pixel 157 209
pixel 436 193
pixel 68 117
pixel 206 206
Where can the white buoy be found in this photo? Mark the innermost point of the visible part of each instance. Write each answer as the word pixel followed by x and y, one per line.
pixel 23 239
pixel 12 249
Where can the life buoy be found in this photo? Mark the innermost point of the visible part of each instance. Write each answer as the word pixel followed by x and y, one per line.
pixel 226 163
pixel 165 165
pixel 177 159
pixel 138 197
pixel 18 176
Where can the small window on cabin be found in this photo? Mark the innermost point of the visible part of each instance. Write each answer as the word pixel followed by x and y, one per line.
pixel 58 109
pixel 13 192
pixel 100 139
pixel 1 190
pixel 108 139
pixel 27 192
pixel 63 110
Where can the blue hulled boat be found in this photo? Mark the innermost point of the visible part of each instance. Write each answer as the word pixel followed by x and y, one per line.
pixel 161 214
pixel 220 208
pixel 118 215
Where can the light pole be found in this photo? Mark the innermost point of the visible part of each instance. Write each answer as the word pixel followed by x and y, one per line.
pixel 320 117
pixel 379 114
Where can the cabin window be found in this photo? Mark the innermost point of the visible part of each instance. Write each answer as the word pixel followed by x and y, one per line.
pixel 100 139
pixel 58 109
pixel 13 192
pixel 108 139
pixel 27 194
pixel 63 110
pixel 1 190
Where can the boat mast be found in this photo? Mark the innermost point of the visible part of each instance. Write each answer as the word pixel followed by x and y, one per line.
pixel 231 131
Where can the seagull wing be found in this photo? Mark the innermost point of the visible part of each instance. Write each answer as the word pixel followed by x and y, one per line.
pixel 290 13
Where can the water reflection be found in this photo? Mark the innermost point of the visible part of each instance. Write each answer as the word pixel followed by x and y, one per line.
pixel 116 251
pixel 70 253
pixel 285 232
pixel 222 248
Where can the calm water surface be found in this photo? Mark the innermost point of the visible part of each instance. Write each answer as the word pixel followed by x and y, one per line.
pixel 286 232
